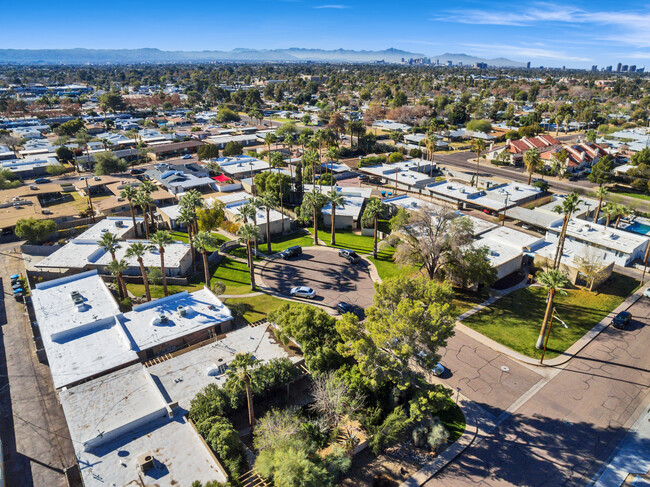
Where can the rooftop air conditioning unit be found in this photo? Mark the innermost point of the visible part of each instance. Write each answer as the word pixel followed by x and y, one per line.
pixel 516 188
pixel 119 223
pixel 182 310
pixel 163 318
pixel 450 186
pixel 145 461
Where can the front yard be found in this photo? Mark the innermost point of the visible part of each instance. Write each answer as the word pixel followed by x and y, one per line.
pixel 515 320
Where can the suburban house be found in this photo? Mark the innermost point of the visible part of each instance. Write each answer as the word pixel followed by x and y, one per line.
pixel 349 214
pixel 517 148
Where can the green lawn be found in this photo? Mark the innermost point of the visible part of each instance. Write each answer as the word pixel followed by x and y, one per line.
pixel 182 237
pixel 633 195
pixel 232 273
pixel 283 243
pixel 386 266
pixel 465 300
pixel 515 319
pixel 454 420
pixel 254 308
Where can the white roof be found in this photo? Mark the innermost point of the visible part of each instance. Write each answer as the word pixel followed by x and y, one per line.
pixel 241 166
pixel 411 203
pixel 174 254
pixel 466 193
pixel 185 375
pixel 514 191
pixel 513 238
pixel 604 237
pixel 274 215
pixel 573 251
pixel 115 225
pixel 336 167
pixel 391 125
pixel 173 211
pixel 358 192
pixel 480 226
pixel 405 174
pixel 234 197
pixel 76 254
pixel 114 419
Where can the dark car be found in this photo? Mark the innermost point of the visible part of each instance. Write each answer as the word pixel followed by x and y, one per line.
pixel 363 177
pixel 41 180
pixel 350 255
pixel 291 252
pixel 622 320
pixel 136 171
pixel 342 307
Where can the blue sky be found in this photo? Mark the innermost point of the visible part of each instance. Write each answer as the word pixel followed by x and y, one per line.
pixel 546 33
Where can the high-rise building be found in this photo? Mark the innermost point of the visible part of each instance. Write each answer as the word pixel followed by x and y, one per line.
pixel 594 68
pixel 608 69
pixel 528 65
pixel 618 67
pixel 624 68
pixel 632 68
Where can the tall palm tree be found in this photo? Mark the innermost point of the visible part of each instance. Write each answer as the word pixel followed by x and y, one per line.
pixel 554 282
pixel 317 200
pixel 532 161
pixel 270 139
pixel 240 370
pixel 248 213
pixel 269 201
pixel 277 161
pixel 478 146
pixel 187 216
pixel 149 188
pixel 374 209
pixel 621 211
pixel 116 268
pixel 610 211
pixel 601 192
pixel 189 203
pixel 129 193
pixel 311 159
pixel 144 201
pixel 568 206
pixel 137 250
pixel 203 242
pixel 248 233
pixel 161 239
pixel 336 199
pixel 110 243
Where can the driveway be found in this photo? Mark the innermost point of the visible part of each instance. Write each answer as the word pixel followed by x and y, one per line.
pixel 331 276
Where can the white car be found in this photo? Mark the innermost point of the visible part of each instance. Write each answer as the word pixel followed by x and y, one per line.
pixel 303 292
pixel 646 293
pixel 438 370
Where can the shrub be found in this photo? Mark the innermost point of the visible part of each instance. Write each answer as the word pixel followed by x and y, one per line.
pixel 391 430
pixel 395 157
pixel 211 401
pixel 33 230
pixel 371 161
pixel 224 440
pixel 415 153
pixel 233 149
pixel 438 436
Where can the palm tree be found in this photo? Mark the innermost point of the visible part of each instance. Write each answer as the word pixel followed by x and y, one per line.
pixel 374 209
pixel 129 193
pixel 568 206
pixel 144 201
pixel 187 216
pixel 248 213
pixel 240 370
pixel 311 159
pixel 189 203
pixel 203 242
pixel 248 233
pixel 601 192
pixel 554 282
pixel 317 200
pixel 137 250
pixel 478 146
pixel 161 239
pixel 532 161
pixel 116 268
pixel 110 243
pixel 277 161
pixel 269 201
pixel 620 212
pixel 336 199
pixel 149 188
pixel 610 211
pixel 269 139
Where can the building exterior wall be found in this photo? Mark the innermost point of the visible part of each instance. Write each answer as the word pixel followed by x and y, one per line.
pixel 341 221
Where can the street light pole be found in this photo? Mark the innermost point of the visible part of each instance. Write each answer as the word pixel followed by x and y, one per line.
pixel 457 394
pixel 550 325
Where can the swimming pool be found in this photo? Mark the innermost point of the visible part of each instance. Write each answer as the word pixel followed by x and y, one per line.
pixel 638 227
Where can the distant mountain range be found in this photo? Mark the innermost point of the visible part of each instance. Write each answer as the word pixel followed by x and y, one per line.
pixel 151 55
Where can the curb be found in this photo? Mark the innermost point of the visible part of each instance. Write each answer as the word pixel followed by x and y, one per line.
pixel 441 461
pixel 565 356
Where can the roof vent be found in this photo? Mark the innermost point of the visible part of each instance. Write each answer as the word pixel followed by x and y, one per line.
pixel 182 310
pixel 145 461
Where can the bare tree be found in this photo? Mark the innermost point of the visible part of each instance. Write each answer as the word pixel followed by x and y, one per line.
pixel 590 264
pixel 431 237
pixel 333 400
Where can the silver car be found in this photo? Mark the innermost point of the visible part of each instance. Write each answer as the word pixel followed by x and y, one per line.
pixel 303 292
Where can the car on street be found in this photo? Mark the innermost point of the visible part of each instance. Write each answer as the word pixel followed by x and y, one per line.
pixel 41 180
pixel 622 320
pixel 135 171
pixel 438 370
pixel 363 177
pixel 303 292
pixel 646 293
pixel 187 156
pixel 291 252
pixel 350 255
pixel 343 307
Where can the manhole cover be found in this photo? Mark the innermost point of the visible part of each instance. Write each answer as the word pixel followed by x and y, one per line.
pixel 505 368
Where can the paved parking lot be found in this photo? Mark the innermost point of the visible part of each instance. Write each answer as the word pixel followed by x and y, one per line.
pixel 331 276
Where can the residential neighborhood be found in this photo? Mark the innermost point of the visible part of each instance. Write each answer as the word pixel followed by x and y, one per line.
pixel 397 271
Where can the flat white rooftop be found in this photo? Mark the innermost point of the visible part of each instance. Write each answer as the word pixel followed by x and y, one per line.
pixel 175 252
pixel 465 193
pixel 514 238
pixel 182 377
pixel 76 254
pixel 573 251
pixel 202 310
pixel 359 192
pixel 115 418
pixel 235 197
pixel 173 211
pixel 274 215
pixel 514 192
pixel 404 173
pixel 480 226
pixel 604 237
pixel 118 226
pixel 411 203
pixel 241 166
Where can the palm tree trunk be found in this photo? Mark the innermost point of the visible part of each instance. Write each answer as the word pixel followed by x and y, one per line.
pixel 547 315
pixel 268 230
pixel 618 220
pixel 560 242
pixel 282 205
pixel 143 271
pixel 315 225
pixel 600 202
pixel 162 268
pixel 478 161
pixel 206 268
pixel 190 238
pixel 249 399
pixel 122 285
pixel 135 228
pixel 374 248
pixel 333 239
pixel 251 265
pixel 153 220
pixel 530 176
pixel 607 221
pixel 146 222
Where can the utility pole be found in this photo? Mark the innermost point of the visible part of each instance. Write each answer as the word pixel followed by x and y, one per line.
pixel 505 208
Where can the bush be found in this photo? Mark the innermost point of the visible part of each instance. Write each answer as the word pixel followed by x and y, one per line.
pixel 391 430
pixel 438 436
pixel 33 230
pixel 211 401
pixel 108 163
pixel 224 440
pixel 233 149
pixel 415 153
pixel 207 151
pixel 230 227
pixel 542 185
pixel 371 161
pixel 125 304
pixel 479 126
pixel 395 157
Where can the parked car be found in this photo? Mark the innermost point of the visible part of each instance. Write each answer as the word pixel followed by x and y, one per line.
pixel 135 171
pixel 350 255
pixel 187 156
pixel 622 320
pixel 363 177
pixel 303 292
pixel 291 252
pixel 438 370
pixel 343 307
pixel 646 293
pixel 41 180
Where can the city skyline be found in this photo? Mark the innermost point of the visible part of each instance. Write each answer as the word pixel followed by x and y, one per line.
pixel 578 34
